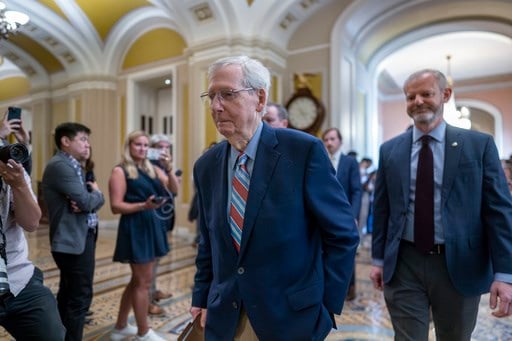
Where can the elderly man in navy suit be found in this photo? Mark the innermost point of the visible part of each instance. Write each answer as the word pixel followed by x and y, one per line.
pixel 442 221
pixel 278 238
pixel 347 173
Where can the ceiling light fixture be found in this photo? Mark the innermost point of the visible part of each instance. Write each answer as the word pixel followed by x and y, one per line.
pixel 10 21
pixel 458 118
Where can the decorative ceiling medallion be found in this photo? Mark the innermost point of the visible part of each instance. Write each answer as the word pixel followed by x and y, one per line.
pixel 306 3
pixel 13 57
pixel 29 70
pixel 288 19
pixel 68 57
pixel 249 2
pixel 29 27
pixel 202 12
pixel 50 41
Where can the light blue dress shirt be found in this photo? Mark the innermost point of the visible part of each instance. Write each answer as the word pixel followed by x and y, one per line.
pixel 250 150
pixel 436 144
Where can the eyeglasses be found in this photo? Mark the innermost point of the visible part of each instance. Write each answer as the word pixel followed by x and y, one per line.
pixel 224 95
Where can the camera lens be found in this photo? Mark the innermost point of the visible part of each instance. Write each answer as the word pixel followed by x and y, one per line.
pixel 18 152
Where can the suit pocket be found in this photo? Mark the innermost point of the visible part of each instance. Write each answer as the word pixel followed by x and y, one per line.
pixel 213 298
pixel 306 297
pixel 467 166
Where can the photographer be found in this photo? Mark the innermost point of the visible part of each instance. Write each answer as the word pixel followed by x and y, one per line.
pixel 163 159
pixel 13 125
pixel 28 310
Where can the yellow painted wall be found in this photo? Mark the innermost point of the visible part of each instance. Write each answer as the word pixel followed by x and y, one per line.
pixel 154 45
pixel 13 87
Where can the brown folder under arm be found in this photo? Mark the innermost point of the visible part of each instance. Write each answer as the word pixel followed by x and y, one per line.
pixel 193 331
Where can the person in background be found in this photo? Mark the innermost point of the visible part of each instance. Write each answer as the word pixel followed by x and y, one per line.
pixel 15 127
pixel 442 228
pixel 90 177
pixel 352 153
pixel 276 115
pixel 278 238
pixel 137 190
pixel 168 214
pixel 365 169
pixel 507 169
pixel 73 223
pixel 347 173
pixel 28 309
pixel 193 211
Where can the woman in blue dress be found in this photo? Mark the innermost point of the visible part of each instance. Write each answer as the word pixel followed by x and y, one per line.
pixel 136 190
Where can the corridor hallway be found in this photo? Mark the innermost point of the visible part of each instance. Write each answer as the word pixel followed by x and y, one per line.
pixel 365 318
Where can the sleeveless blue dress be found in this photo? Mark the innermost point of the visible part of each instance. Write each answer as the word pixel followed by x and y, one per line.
pixel 140 235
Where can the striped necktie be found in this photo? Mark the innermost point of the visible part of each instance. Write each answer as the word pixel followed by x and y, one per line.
pixel 239 193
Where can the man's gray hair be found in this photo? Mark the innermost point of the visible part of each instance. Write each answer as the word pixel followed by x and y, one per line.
pixel 254 74
pixel 438 75
pixel 157 138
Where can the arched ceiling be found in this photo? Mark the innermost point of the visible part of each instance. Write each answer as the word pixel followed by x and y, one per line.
pixel 77 37
pixel 66 39
pixel 397 37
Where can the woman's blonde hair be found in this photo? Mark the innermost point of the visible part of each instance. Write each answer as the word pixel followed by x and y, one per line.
pixel 127 161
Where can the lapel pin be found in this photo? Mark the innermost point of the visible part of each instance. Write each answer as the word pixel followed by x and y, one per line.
pixel 455 144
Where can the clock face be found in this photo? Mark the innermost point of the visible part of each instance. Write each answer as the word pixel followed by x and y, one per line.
pixel 302 112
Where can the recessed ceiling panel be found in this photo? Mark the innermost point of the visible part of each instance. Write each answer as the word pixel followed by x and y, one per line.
pixel 104 14
pixel 153 46
pixel 41 54
pixel 13 87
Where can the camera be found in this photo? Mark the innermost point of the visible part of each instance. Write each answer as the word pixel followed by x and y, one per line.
pixel 17 151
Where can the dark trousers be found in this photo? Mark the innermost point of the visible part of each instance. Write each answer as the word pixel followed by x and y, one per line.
pixel 420 283
pixel 75 288
pixel 33 314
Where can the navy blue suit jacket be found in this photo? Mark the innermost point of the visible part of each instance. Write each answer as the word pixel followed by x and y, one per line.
pixel 298 243
pixel 349 177
pixel 476 208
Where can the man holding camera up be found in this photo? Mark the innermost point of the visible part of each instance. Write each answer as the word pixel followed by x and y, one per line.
pixel 73 224
pixel 11 123
pixel 28 310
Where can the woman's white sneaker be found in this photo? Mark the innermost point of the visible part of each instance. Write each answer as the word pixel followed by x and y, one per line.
pixel 121 334
pixel 150 336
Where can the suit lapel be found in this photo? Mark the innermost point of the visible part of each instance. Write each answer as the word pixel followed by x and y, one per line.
pixel 220 188
pixel 452 150
pixel 264 165
pixel 402 150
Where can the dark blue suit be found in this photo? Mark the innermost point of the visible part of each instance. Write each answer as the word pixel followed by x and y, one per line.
pixel 349 177
pixel 476 208
pixel 298 243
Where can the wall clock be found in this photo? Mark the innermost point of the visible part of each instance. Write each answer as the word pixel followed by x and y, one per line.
pixel 305 111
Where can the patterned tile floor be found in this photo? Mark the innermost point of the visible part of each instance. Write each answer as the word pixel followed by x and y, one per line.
pixel 365 318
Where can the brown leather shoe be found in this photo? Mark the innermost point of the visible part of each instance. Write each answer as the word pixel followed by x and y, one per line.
pixel 351 294
pixel 154 309
pixel 160 295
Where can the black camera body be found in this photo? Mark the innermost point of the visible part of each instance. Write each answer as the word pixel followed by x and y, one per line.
pixel 17 151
